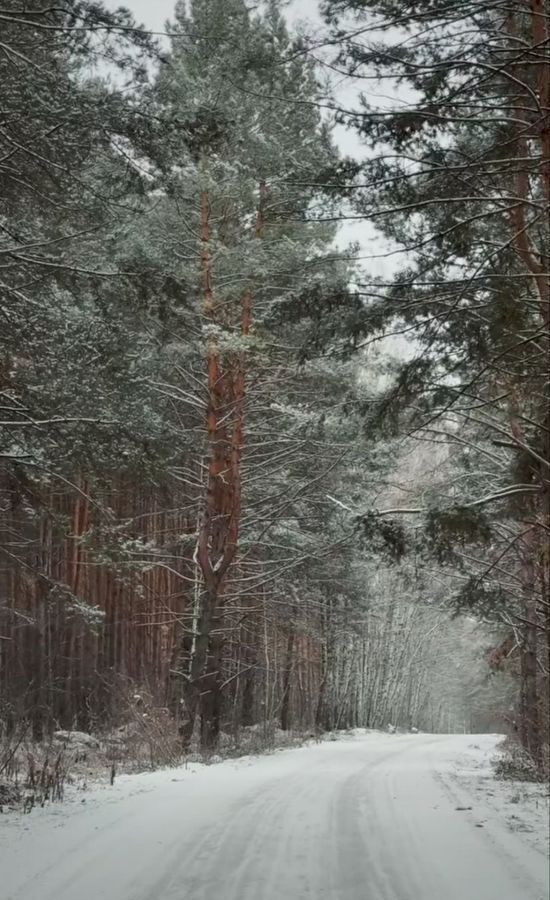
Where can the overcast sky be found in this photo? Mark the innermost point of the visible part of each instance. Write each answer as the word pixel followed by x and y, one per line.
pixel 154 13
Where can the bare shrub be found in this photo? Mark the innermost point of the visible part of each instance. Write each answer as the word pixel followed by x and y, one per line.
pixel 48 770
pixel 515 764
pixel 11 742
pixel 31 773
pixel 148 736
pixel 254 740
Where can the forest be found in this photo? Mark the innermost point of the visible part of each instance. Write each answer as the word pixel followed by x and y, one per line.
pixel 255 475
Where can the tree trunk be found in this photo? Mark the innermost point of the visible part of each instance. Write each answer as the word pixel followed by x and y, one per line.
pixel 287 677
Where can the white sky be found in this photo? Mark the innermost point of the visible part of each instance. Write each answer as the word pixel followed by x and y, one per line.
pixel 153 13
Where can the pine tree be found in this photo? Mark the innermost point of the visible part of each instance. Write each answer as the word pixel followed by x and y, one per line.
pixel 237 203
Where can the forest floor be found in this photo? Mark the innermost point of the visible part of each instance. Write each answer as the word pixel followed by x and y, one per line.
pixel 391 817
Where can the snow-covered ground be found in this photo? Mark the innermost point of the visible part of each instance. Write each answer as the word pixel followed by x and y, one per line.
pixel 385 817
pixel 523 806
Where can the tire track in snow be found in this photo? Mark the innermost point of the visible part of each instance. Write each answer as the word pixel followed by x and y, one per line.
pixel 367 818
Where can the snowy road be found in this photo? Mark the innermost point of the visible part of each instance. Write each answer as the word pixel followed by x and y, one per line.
pixel 369 818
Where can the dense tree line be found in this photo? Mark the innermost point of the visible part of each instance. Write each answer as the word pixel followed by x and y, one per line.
pixel 199 447
pixel 165 455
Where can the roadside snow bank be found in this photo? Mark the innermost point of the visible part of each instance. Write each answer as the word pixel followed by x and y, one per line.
pixel 523 806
